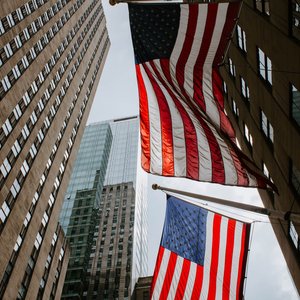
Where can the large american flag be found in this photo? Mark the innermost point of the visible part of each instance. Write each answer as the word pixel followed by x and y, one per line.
pixel 202 255
pixel 184 129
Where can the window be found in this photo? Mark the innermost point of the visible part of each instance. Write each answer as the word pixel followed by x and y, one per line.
pixel 40 135
pixel 45 219
pixel 16 71
pixel 266 171
pixel 231 67
pixel 241 38
pixel 16 148
pixel 245 89
pixel 4 211
pixel 25 61
pixel 7 127
pixel 6 83
pixel 17 112
pixel 15 188
pixel 27 219
pixel 26 34
pixel 18 243
pixel 19 14
pixel 248 136
pixel 295 178
pixel 295 104
pixel 294 235
pixel 295 12
pixel 25 132
pixel 24 168
pixel 235 109
pixel 264 66
pixel 33 151
pixel 5 167
pixel 266 127
pixel 263 6
pixel 33 118
pixel 8 50
pixel 18 41
pixel 38 241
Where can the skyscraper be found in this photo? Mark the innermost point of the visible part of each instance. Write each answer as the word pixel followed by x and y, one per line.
pixel 79 213
pixel 262 84
pixel 51 57
pixel 107 261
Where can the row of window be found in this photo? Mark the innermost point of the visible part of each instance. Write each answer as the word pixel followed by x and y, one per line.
pixel 10 123
pixel 35 86
pixel 9 21
pixel 11 78
pixel 47 213
pixel 7 205
pixel 16 43
pixel 263 6
pixel 26 280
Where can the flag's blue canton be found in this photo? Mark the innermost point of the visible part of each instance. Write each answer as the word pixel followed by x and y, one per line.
pixel 185 230
pixel 154 30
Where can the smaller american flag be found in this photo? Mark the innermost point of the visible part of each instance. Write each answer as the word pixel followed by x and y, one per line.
pixel 202 254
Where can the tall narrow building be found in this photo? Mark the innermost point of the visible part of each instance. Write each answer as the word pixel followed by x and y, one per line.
pixel 262 85
pixel 79 213
pixel 107 263
pixel 52 54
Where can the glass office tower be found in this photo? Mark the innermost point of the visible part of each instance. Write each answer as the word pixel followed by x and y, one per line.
pixel 111 217
pixel 79 213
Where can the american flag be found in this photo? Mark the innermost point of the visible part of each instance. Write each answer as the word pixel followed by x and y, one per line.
pixel 202 255
pixel 184 129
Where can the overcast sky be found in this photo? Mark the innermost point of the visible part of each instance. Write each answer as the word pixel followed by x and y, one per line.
pixel 117 96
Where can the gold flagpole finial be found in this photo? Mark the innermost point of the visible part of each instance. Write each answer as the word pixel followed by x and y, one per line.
pixel 113 2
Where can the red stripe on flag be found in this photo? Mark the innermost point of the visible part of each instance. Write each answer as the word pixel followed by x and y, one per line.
pixel 166 129
pixel 232 13
pixel 218 172
pixel 242 177
pixel 184 275
pixel 228 258
pixel 186 48
pixel 191 142
pixel 225 124
pixel 168 276
pixel 242 261
pixel 144 121
pixel 198 283
pixel 157 268
pixel 214 257
pixel 198 68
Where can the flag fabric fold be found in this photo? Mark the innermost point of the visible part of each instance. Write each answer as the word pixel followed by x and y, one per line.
pixel 202 254
pixel 184 129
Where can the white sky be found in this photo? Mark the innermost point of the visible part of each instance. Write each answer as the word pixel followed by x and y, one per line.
pixel 117 96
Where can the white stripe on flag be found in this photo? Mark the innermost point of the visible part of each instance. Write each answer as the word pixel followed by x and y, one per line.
pixel 207 86
pixel 184 18
pixel 231 177
pixel 177 127
pixel 176 277
pixel 191 281
pixel 205 161
pixel 207 258
pixel 197 42
pixel 222 258
pixel 161 274
pixel 235 259
pixel 155 126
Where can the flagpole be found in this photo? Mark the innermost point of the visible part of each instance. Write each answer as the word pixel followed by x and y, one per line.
pixel 285 216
